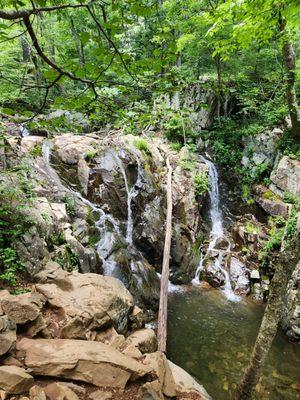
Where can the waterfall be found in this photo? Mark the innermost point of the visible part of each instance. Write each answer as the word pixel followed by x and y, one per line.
pixel 217 232
pixel 131 193
pixel 107 240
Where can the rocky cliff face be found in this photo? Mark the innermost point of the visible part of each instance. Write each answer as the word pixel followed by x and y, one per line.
pixel 100 205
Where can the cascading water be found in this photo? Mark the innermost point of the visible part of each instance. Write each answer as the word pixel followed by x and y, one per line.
pixel 107 237
pixel 131 193
pixel 216 233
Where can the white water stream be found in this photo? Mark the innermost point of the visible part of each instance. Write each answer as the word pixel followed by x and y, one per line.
pixel 107 237
pixel 131 193
pixel 216 233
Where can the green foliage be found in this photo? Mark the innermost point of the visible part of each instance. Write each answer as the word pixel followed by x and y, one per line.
pixel 291 224
pixel 201 183
pixel 10 265
pixel 291 198
pixel 142 145
pixel 16 193
pixel 176 146
pixel 290 145
pixel 68 260
pixel 36 151
pixel 187 164
pixel 70 203
pixel 89 155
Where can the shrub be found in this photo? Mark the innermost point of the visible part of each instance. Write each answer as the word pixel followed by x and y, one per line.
pixel 89 155
pixel 36 151
pixel 201 184
pixel 70 203
pixel 10 265
pixel 142 145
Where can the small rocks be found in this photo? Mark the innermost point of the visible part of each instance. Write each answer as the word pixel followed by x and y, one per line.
pixel 255 275
pixel 37 393
pixel 56 391
pixel 99 395
pixel 150 391
pixel 15 380
pixel 7 334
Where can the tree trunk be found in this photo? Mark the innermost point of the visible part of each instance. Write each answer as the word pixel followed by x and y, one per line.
pixel 289 59
pixel 79 46
pixel 163 301
pixel 285 266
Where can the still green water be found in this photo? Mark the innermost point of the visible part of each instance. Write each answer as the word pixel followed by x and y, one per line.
pixel 212 338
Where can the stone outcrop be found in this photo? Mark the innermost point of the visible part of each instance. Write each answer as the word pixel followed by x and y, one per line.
pixel 285 176
pixel 86 361
pixel 84 302
pixel 15 380
pixel 261 149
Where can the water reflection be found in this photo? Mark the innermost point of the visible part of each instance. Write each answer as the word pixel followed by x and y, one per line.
pixel 212 339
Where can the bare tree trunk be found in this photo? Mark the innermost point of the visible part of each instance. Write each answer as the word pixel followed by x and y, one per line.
pixel 25 48
pixel 289 59
pixel 79 46
pixel 217 61
pixel 163 301
pixel 288 259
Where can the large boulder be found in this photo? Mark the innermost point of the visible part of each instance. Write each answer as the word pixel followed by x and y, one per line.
pixel 186 383
pixel 15 380
pixel 86 361
pixel 285 176
pixel 261 149
pixel 85 302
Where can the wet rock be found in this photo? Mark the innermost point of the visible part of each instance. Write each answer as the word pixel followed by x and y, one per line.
pixel 22 308
pixel 86 302
pixel 87 361
pixel 286 176
pixel 222 243
pixel 144 339
pixel 15 380
pixel 7 334
pixel 212 274
pixel 239 275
